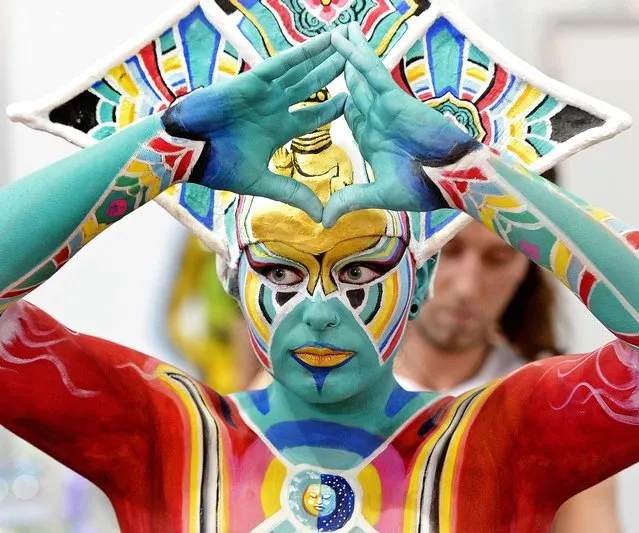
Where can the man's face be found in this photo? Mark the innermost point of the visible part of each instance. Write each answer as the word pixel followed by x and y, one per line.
pixel 326 324
pixel 477 277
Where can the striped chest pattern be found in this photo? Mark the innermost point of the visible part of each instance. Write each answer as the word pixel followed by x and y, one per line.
pixel 242 480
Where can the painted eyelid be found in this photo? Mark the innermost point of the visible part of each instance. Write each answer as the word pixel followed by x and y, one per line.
pixel 364 260
pixel 303 274
pixel 377 273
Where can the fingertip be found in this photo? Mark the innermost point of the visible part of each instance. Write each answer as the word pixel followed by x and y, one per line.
pixel 328 220
pixel 330 217
pixel 333 210
pixel 317 214
pixel 341 98
pixel 313 207
pixel 339 36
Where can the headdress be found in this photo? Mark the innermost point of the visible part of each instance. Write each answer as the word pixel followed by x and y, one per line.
pixel 434 52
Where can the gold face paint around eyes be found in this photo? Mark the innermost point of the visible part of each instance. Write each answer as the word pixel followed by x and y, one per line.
pixel 290 233
pixel 308 261
pixel 341 251
pixel 322 265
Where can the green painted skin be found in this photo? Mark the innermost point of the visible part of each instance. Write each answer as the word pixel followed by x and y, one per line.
pixel 384 121
pixel 394 130
pixel 64 194
pixel 46 207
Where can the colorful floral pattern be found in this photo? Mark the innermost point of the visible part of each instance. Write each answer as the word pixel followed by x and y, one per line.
pixel 445 70
pixel 188 55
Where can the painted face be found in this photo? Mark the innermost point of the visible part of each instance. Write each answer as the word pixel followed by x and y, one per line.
pixel 326 323
pixel 319 500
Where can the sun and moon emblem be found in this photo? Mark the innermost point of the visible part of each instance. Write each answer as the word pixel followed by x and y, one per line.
pixel 321 502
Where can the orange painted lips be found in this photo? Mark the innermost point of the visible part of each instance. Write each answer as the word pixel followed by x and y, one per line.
pixel 322 357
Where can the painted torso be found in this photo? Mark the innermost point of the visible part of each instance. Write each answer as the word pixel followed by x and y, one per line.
pixel 175 457
pixel 310 475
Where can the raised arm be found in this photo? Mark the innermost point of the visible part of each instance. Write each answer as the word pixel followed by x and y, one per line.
pixel 422 162
pixel 84 400
pixel 575 420
pixel 221 136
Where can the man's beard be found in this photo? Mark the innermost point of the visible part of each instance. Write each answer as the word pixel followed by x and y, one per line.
pixel 452 339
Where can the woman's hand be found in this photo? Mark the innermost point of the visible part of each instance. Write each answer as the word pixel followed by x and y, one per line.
pixel 397 134
pixel 247 118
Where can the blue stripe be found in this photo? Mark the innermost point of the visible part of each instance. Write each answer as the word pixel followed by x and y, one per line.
pixel 321 434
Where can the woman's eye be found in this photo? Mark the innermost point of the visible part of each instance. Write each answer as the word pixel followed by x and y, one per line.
pixel 358 274
pixel 284 276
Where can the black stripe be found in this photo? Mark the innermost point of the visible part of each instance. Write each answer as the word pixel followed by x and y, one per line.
pixel 448 435
pixel 207 441
pixel 378 304
pixel 260 299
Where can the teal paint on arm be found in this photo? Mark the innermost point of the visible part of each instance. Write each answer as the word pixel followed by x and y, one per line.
pixel 49 215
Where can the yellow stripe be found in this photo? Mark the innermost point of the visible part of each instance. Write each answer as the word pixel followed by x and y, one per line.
pixel 89 229
pixel 487 215
pixel 372 499
pixel 477 73
pixel 123 79
pixel 599 214
pixel 413 495
pixel 252 294
pixel 527 99
pixel 385 42
pixel 503 202
pixel 379 324
pixel 272 487
pixel 269 47
pixel 228 65
pixel 138 168
pixel 152 182
pixel 523 150
pixel 195 424
pixel 172 63
pixel 416 71
pixel 517 129
pixel 126 113
pixel 446 483
pixel 561 256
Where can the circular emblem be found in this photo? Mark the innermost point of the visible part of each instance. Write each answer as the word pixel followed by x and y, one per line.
pixel 321 502
pixel 461 112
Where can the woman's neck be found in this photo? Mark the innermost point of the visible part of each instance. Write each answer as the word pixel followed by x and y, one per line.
pixel 369 409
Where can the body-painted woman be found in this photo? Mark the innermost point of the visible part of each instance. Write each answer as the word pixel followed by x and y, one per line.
pixel 334 444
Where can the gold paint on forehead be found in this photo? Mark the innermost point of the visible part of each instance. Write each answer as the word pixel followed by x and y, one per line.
pixel 341 251
pixel 325 168
pixel 308 261
pixel 275 222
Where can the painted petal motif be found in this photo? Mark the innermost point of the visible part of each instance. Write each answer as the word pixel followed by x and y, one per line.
pixel 275 25
pixel 466 75
pixel 510 107
pixel 327 10
pixel 186 52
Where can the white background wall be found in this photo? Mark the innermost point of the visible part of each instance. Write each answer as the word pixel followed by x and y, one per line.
pixel 47 43
pixel 116 287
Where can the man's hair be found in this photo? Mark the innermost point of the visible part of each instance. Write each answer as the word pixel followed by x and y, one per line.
pixel 528 322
